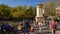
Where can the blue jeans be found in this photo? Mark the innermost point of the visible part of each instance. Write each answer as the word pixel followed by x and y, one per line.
pixel 26 30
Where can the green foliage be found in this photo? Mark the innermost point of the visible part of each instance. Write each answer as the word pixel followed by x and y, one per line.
pixel 18 13
pixel 50 9
pixel 21 12
pixel 4 11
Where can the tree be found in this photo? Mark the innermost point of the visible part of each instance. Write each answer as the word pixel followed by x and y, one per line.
pixel 50 9
pixel 30 13
pixel 4 11
pixel 18 12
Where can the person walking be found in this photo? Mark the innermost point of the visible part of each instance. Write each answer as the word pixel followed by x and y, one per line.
pixel 31 29
pixel 40 24
pixel 53 26
pixel 26 26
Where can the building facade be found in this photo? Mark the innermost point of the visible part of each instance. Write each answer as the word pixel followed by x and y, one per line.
pixel 39 13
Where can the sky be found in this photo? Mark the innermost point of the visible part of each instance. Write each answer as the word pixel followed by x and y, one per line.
pixel 21 2
pixel 14 3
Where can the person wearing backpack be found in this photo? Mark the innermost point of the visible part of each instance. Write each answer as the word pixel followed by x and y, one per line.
pixel 6 27
pixel 53 26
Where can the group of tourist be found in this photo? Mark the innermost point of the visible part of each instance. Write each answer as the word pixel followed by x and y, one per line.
pixel 28 28
pixel 52 26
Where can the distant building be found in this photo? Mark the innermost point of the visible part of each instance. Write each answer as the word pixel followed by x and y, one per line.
pixel 39 12
pixel 58 9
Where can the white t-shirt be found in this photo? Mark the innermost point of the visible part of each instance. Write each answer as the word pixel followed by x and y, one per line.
pixel 40 24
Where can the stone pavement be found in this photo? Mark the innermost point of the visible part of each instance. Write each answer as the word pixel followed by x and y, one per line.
pixel 45 30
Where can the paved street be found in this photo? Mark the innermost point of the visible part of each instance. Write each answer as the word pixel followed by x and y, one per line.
pixel 57 32
pixel 45 30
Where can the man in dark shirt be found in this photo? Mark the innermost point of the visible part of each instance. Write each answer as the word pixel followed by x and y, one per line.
pixel 26 26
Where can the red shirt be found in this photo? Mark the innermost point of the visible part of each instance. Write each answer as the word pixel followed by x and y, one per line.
pixel 52 24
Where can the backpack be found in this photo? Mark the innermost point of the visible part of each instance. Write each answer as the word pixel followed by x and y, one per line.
pixel 5 26
pixel 54 26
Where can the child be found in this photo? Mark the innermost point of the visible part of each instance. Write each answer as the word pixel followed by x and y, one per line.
pixel 32 29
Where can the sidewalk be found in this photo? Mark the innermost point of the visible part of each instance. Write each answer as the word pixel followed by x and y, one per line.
pixel 58 32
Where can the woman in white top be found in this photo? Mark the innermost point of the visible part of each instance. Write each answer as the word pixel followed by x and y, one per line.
pixel 40 24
